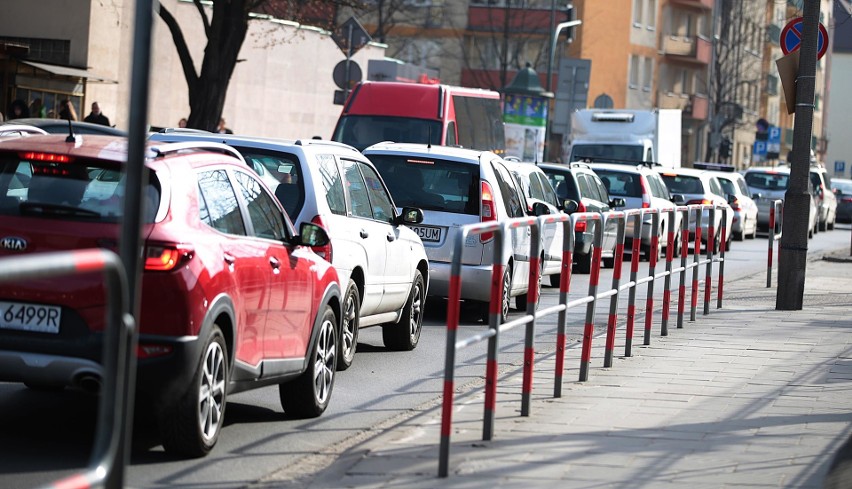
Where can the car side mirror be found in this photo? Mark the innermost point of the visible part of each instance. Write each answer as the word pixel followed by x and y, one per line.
pixel 570 206
pixel 756 195
pixel 617 202
pixel 540 209
pixel 411 215
pixel 731 198
pixel 678 198
pixel 310 234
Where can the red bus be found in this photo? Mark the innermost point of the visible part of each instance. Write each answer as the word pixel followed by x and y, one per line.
pixel 421 113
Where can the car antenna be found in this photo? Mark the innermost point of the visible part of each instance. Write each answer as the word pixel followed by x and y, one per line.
pixel 429 142
pixel 71 138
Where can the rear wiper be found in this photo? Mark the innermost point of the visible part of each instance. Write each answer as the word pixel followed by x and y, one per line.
pixel 56 209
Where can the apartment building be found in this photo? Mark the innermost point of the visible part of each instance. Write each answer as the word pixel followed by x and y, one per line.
pixel 838 156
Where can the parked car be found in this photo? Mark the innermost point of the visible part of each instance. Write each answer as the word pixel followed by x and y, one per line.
pixel 768 184
pixel 577 182
pixel 381 262
pixel 843 192
pixel 232 297
pixel 641 188
pixel 701 187
pixel 455 187
pixel 538 192
pixel 60 126
pixel 744 207
pixel 826 202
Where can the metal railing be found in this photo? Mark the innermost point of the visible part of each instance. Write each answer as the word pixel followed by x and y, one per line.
pixel 599 222
pixel 773 232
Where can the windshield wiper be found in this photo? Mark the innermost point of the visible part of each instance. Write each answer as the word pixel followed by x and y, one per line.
pixel 56 209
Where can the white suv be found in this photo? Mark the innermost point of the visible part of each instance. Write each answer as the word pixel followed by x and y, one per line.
pixel 382 264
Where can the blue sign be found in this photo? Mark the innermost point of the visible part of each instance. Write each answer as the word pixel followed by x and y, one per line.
pixel 791 38
pixel 759 148
pixel 839 167
pixel 773 141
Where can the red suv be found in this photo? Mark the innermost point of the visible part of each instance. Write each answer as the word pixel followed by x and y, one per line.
pixel 232 297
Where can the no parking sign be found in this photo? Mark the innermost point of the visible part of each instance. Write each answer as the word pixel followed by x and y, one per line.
pixel 791 38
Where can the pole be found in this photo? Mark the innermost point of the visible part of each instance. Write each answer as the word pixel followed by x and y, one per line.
pixel 793 250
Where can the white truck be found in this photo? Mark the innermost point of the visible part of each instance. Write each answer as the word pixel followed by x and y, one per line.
pixel 626 136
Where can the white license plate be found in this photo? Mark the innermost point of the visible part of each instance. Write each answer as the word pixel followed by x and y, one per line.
pixel 427 233
pixel 29 317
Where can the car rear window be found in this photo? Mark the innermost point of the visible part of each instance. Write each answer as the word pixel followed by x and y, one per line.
pixel 429 183
pixel 563 184
pixel 766 180
pixel 55 186
pixel 621 184
pixel 728 186
pixel 683 184
pixel 280 172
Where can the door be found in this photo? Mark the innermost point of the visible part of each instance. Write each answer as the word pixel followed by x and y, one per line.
pixel 288 307
pixel 244 258
pixel 519 242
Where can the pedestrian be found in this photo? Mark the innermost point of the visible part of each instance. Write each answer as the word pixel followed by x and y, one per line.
pixel 222 129
pixel 37 109
pixel 18 110
pixel 67 111
pixel 182 122
pixel 97 117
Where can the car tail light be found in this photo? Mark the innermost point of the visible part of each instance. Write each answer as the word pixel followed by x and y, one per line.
pixel 846 199
pixel 144 350
pixel 700 202
pixel 580 227
pixel 646 194
pixel 48 157
pixel 163 258
pixel 322 251
pixel 735 205
pixel 488 211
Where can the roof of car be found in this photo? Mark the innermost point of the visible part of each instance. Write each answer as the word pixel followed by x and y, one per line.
pixel 769 169
pixel 565 167
pixel 435 151
pixel 60 126
pixel 249 141
pixel 691 172
pixel 620 167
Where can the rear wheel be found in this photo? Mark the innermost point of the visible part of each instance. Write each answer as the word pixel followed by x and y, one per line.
pixel 405 335
pixel 349 327
pixel 584 263
pixel 191 425
pixel 308 395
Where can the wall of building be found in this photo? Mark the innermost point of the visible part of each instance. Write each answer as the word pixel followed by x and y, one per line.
pixel 840 115
pixel 50 19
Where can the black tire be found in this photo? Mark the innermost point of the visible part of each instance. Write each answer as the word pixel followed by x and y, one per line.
pixel 677 243
pixel 609 262
pixel 739 235
pixel 308 395
pixel 584 263
pixel 810 233
pixel 555 279
pixel 404 335
pixel 505 295
pixel 823 226
pixel 728 244
pixel 190 427
pixel 349 327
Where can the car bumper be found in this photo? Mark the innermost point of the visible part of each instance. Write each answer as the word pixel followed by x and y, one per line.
pixel 475 281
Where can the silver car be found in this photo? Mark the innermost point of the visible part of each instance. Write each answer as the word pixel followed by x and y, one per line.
pixel 700 187
pixel 455 187
pixel 768 184
pixel 745 208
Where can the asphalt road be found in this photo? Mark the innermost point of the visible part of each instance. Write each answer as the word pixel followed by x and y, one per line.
pixel 45 436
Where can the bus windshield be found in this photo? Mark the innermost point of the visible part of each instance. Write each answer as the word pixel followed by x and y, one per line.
pixel 607 152
pixel 362 131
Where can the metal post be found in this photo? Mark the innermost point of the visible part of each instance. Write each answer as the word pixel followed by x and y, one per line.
pixel 696 257
pixel 684 254
pixel 634 271
pixel 770 233
pixel 495 308
pixel 667 284
pixel 532 302
pixel 564 288
pixel 711 250
pixel 621 222
pixel 589 329
pixel 722 256
pixel 652 260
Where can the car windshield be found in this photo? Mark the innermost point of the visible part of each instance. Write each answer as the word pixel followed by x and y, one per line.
pixel 616 153
pixel 621 184
pixel 430 184
pixel 767 180
pixel 41 184
pixel 362 131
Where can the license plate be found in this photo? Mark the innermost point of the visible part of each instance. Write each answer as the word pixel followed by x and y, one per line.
pixel 29 317
pixel 427 233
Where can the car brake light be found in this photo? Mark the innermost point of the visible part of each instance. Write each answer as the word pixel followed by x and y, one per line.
pixel 323 251
pixel 162 258
pixel 488 211
pixel 846 199
pixel 49 157
pixel 700 202
pixel 646 194
pixel 581 225
pixel 735 205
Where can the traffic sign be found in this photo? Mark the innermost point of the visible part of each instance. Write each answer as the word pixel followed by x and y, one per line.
pixel 340 74
pixel 350 32
pixel 791 38
pixel 839 167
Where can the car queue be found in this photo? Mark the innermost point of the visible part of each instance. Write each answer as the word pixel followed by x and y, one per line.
pixel 263 258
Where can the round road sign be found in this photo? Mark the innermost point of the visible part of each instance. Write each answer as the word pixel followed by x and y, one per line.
pixel 339 74
pixel 791 38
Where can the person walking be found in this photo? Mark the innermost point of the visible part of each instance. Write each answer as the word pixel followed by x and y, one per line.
pixel 67 111
pixel 18 110
pixel 96 116
pixel 222 128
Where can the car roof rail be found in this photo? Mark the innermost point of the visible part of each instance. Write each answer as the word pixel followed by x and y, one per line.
pixel 164 149
pixel 167 130
pixel 21 129
pixel 579 164
pixel 323 142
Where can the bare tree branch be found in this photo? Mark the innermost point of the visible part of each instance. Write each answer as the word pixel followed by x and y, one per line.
pixel 180 44
pixel 204 18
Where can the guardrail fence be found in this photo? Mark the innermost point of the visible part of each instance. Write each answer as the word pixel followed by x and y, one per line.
pixel 597 224
pixel 773 232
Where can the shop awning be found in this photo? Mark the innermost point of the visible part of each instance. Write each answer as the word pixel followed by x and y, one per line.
pixel 69 71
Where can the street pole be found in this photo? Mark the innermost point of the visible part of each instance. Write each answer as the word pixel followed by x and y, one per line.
pixel 551 53
pixel 793 250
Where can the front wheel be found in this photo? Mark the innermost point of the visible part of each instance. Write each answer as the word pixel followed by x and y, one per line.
pixel 308 395
pixel 349 327
pixel 405 335
pixel 191 426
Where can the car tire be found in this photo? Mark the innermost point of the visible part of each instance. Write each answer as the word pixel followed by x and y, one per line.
pixel 810 233
pixel 555 279
pixel 349 326
pixel 584 263
pixel 739 235
pixel 404 335
pixel 308 395
pixel 823 226
pixel 191 426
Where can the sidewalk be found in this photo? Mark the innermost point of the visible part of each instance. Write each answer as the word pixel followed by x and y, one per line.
pixel 744 397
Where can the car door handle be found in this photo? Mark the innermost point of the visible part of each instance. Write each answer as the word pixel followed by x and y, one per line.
pixel 391 236
pixel 229 258
pixel 364 234
pixel 274 263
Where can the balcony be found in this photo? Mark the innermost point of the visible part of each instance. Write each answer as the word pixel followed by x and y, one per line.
pixel 695 49
pixel 702 4
pixel 521 20
pixel 693 106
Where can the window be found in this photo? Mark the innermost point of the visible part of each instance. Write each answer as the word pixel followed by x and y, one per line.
pixel 451 134
pixel 651 16
pixel 637 13
pixel 332 184
pixel 217 203
pixel 634 71
pixel 549 194
pixel 511 198
pixel 381 202
pixel 647 74
pixel 266 219
pixel 357 190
